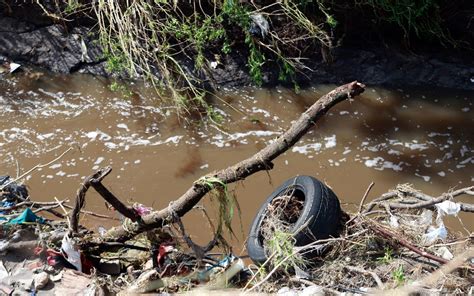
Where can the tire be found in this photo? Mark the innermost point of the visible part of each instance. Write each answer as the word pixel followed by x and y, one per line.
pixel 321 208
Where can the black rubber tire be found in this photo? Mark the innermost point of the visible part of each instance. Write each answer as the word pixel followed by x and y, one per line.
pixel 321 206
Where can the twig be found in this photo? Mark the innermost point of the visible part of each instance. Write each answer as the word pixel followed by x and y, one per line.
pixel 65 213
pixel 92 213
pixel 385 196
pixel 128 212
pixel 371 273
pixel 361 204
pixel 390 235
pixel 432 278
pixel 429 201
pixel 38 166
pixel 365 196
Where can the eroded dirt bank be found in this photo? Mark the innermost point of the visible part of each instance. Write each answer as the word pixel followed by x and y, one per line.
pixel 62 49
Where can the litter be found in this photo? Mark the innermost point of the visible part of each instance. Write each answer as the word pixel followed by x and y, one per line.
pixel 26 217
pixel 448 207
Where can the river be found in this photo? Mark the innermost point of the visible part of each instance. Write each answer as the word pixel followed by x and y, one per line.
pixel 387 136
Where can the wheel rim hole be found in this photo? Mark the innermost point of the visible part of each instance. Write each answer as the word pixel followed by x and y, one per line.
pixel 282 213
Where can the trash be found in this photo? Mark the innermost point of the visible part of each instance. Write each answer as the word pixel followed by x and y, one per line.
pixel 27 216
pixel 259 25
pixel 111 267
pixel 14 67
pixel 40 280
pixel 214 64
pixel 102 231
pixel 147 282
pixel 444 253
pixel 71 252
pixel 448 207
pixel 163 251
pixel 22 279
pixel 73 283
pixel 3 271
pixel 233 266
pixel 300 273
pixel 58 277
pixel 394 221
pixel 426 218
pixel 11 190
pixel 141 209
pixel 434 234
pixel 312 291
pixel 286 291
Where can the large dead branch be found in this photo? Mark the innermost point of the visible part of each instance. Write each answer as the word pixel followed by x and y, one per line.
pixel 95 180
pixel 262 160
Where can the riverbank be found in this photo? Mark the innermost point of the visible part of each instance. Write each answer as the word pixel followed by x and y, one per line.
pixel 70 48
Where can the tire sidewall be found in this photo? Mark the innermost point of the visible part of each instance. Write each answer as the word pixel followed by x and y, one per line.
pixel 315 194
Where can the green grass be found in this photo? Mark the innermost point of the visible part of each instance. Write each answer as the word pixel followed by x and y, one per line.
pixel 398 275
pixel 387 257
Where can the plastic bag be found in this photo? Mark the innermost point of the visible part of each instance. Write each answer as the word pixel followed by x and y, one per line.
pixel 71 253
pixel 435 233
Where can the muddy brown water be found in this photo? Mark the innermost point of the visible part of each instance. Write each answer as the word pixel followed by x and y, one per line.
pixel 389 136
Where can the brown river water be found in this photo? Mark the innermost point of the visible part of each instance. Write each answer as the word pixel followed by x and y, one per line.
pixel 387 136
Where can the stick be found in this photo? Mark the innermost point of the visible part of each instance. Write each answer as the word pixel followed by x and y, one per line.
pixel 94 180
pixel 365 196
pixel 111 199
pixel 262 160
pixel 371 273
pixel 433 278
pixel 394 237
pixel 38 166
pixel 429 201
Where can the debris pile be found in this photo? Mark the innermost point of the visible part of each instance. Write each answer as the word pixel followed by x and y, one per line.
pixel 396 241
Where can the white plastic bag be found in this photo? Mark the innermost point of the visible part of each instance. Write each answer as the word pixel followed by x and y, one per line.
pixel 435 233
pixel 71 253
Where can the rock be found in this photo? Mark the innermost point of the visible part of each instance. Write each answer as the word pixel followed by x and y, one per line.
pixel 73 283
pixel 286 291
pixel 40 280
pixel 312 291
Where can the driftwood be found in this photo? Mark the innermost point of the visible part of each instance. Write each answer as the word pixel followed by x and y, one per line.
pixel 423 200
pixel 262 160
pixel 95 180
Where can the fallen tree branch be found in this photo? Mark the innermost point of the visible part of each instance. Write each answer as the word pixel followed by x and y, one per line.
pixel 95 180
pixel 425 200
pixel 262 160
pixel 429 201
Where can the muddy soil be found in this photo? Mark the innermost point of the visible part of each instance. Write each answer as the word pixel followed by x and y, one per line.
pixel 56 48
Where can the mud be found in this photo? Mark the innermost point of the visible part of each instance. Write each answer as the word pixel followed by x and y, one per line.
pixel 70 48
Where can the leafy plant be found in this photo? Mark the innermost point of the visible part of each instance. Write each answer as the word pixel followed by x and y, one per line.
pixel 387 257
pixel 398 275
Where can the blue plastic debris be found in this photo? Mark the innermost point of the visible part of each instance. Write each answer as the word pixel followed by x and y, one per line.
pixel 26 217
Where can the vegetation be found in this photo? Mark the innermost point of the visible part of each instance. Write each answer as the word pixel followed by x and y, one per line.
pixel 175 45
